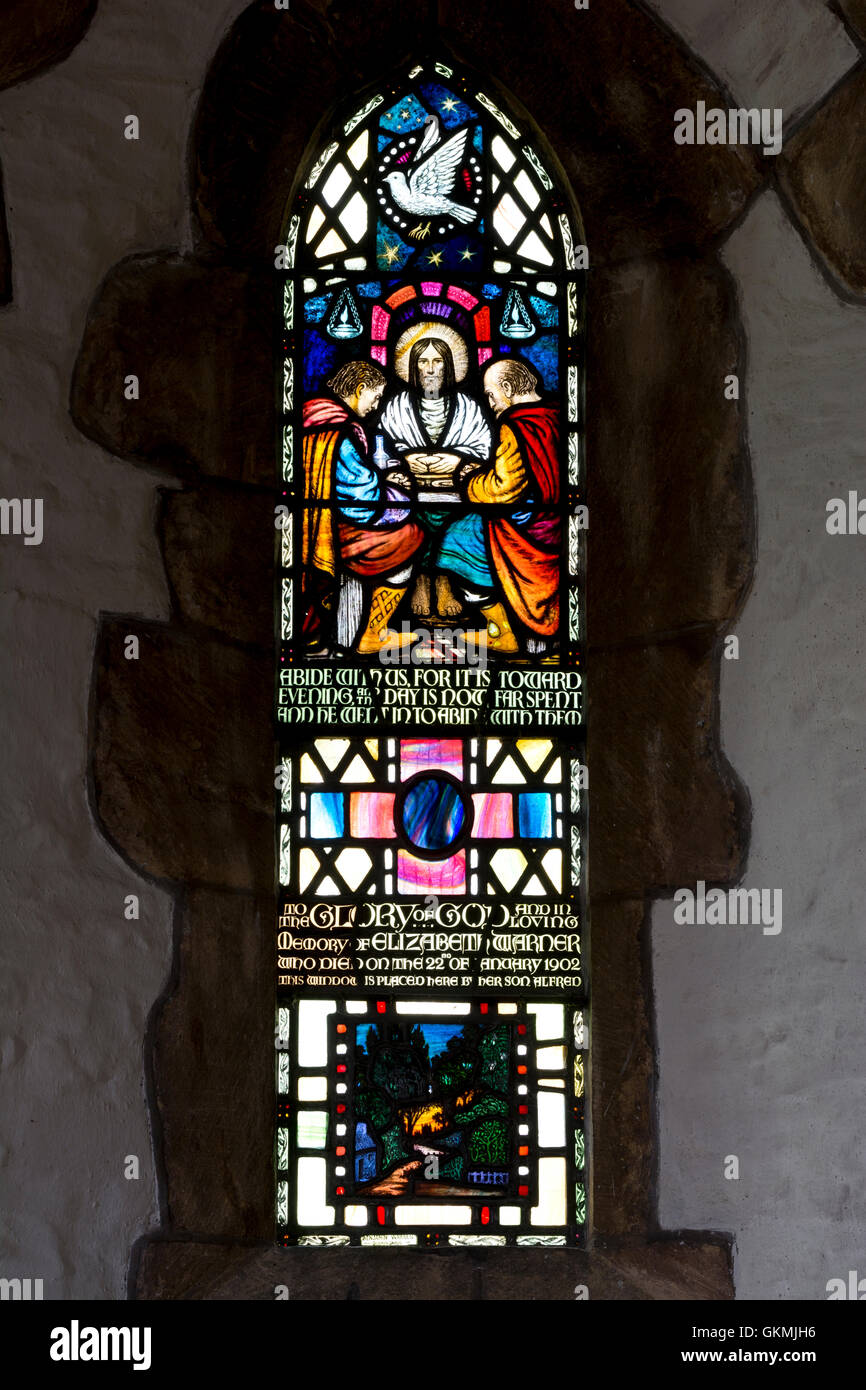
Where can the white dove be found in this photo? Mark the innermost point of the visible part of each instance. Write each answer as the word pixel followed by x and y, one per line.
pixel 431 178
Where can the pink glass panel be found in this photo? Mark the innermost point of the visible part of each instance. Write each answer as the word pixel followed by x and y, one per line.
pixel 430 287
pixel 380 354
pixel 484 354
pixel 371 815
pixel 380 320
pixel 416 877
pixel 493 818
pixel 430 754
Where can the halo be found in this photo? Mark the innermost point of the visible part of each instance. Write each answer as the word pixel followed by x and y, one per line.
pixel 428 328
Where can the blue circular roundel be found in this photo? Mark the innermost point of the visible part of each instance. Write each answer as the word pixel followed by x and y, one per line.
pixel 433 814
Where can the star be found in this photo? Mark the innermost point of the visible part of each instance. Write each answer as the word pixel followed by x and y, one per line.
pixel 435 258
pixel 392 253
pixel 449 104
pixel 466 254
pixel 404 114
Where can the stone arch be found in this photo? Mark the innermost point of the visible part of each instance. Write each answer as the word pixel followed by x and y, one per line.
pixel 181 765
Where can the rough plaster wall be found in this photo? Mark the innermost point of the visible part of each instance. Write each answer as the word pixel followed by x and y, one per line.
pixel 784 53
pixel 761 1037
pixel 79 197
pixel 758 1035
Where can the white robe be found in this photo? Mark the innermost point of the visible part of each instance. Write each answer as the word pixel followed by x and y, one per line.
pixel 466 431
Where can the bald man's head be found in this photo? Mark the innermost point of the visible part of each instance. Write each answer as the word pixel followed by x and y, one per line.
pixel 509 383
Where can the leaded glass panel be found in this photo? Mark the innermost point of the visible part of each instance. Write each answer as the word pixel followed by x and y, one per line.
pixel 431 810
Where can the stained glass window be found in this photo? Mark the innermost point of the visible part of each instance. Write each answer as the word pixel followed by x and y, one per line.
pixel 432 1023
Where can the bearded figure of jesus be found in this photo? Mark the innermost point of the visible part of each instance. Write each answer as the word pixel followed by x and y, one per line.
pixel 435 429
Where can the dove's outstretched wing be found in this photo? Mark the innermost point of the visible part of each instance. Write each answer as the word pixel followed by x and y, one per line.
pixel 435 176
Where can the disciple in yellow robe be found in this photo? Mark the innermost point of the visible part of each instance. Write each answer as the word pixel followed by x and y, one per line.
pixel 521 548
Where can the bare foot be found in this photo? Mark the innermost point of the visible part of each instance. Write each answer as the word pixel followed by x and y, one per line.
pixel 447 601
pixel 420 600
